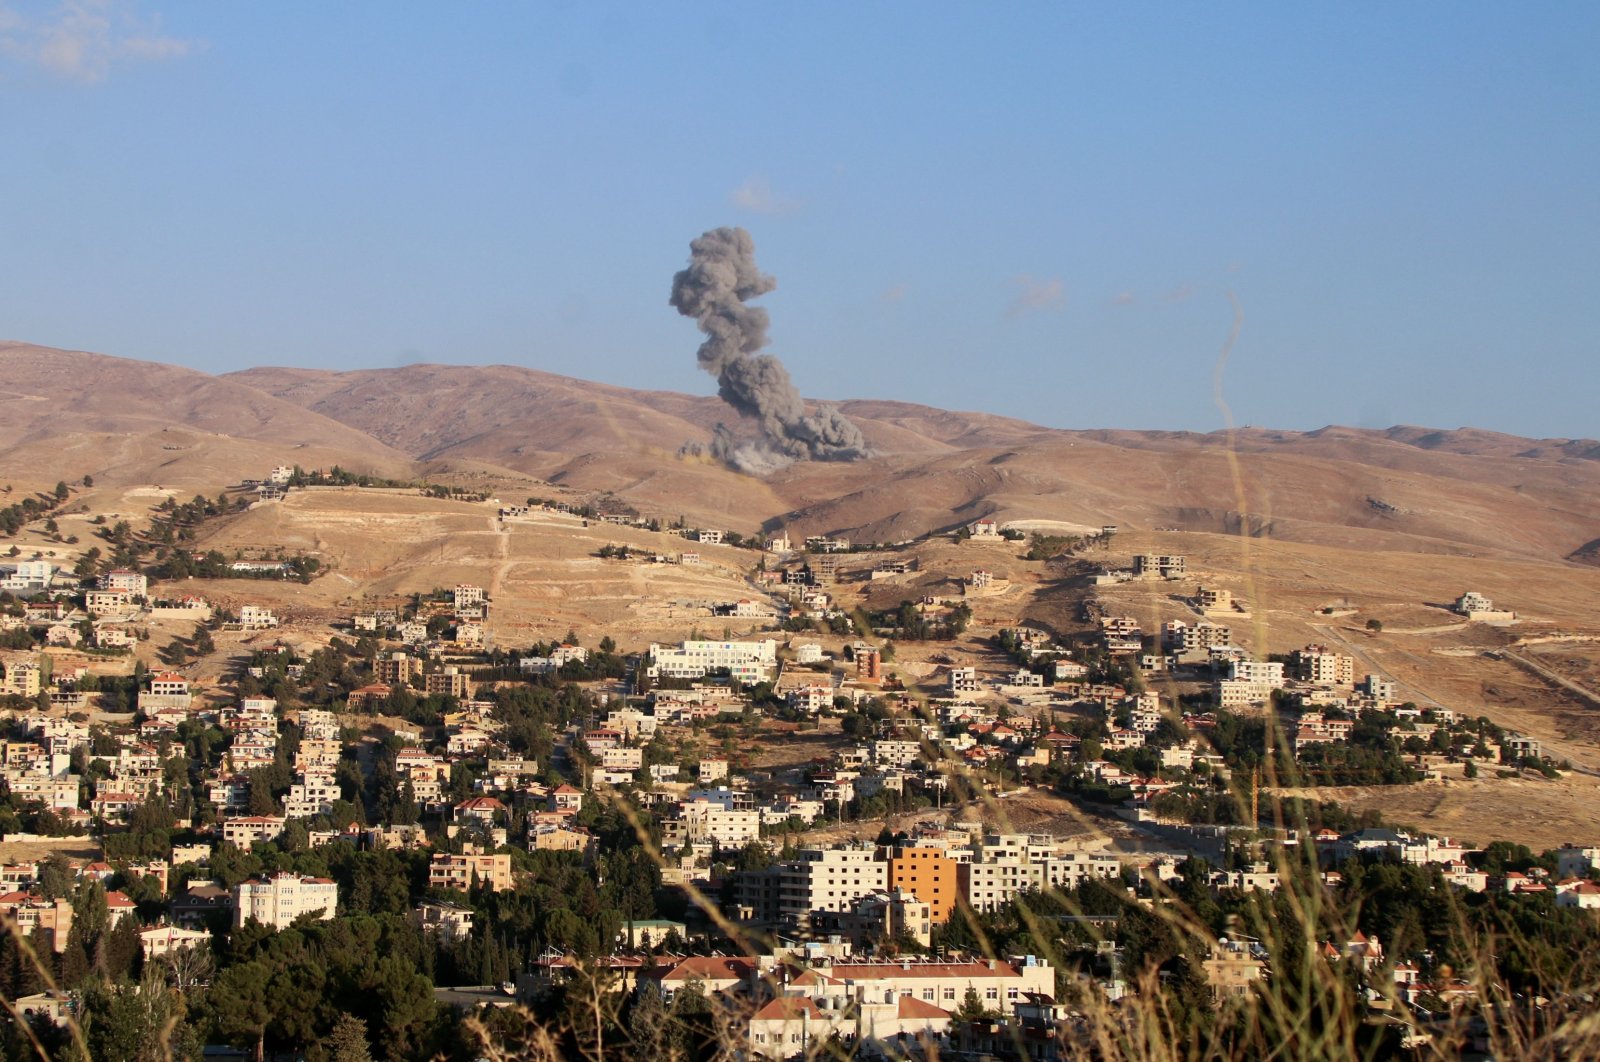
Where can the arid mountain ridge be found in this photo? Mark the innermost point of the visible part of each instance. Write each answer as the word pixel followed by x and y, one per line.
pixel 1410 489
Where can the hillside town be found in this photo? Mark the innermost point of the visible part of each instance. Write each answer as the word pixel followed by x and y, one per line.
pixel 527 817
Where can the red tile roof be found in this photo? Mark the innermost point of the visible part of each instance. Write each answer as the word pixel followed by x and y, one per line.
pixel 787 1008
pixel 916 1008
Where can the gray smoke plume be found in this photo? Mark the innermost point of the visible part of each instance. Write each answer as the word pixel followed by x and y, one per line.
pixel 721 277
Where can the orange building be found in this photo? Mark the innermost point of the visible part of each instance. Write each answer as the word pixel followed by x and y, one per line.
pixel 869 664
pixel 928 874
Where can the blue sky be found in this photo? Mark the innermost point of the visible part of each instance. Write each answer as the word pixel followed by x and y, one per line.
pixel 1031 209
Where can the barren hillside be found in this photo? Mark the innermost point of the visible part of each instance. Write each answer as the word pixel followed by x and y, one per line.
pixel 68 412
pixel 1410 490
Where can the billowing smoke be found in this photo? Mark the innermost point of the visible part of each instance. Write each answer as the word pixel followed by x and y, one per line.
pixel 721 277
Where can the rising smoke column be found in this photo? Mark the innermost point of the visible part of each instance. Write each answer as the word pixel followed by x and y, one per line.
pixel 714 289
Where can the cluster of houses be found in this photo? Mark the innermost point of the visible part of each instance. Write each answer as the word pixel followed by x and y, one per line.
pixel 464 610
pixel 103 614
pixel 840 902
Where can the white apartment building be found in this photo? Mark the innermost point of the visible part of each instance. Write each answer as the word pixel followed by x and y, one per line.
pixel 811 699
pixel 896 753
pixel 1264 672
pixel 1573 861
pixel 963 680
pixel 314 794
pixel 1003 865
pixel 1249 682
pixel 1180 637
pixel 128 581
pixel 999 983
pixel 248 829
pixel 277 901
pixel 829 879
pixel 1379 689
pixel 622 759
pixel 748 662
pixel 29 575
pixel 705 820
pixel 254 617
pixel 808 653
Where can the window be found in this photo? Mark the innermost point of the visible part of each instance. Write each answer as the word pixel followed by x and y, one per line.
pixel 927 994
pixel 992 993
pixel 949 993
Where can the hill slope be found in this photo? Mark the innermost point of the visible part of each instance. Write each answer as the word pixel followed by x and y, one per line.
pixel 64 413
pixel 1407 489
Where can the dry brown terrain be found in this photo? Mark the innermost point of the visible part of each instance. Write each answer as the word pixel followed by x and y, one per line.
pixel 1525 810
pixel 1374 525
pixel 1405 489
pixel 542 571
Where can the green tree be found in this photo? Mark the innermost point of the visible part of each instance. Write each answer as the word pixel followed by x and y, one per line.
pixel 55 877
pixel 348 1041
pixel 405 1001
pixel 140 1022
pixel 242 1006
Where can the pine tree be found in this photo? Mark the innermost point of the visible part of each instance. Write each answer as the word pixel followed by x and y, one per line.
pixel 348 1041
pixel 653 1030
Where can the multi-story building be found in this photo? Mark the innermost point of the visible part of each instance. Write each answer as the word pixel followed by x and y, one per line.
pixel 22 679
pixel 451 682
pixel 255 617
pixel 396 669
pixel 1158 566
pixel 887 753
pixel 703 820
pixel 314 794
pixel 1379 689
pixel 1180 637
pixel 29 911
pixel 1249 682
pixel 998 983
pixel 828 879
pixel 811 699
pixel 1317 665
pixel 930 874
pixel 471 867
pixel 879 916
pixel 126 580
pixel 626 758
pixel 277 901
pixel 1003 865
pixel 28 576
pixel 749 662
pixel 450 921
pixel 246 830
pixel 167 689
pixel 104 602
